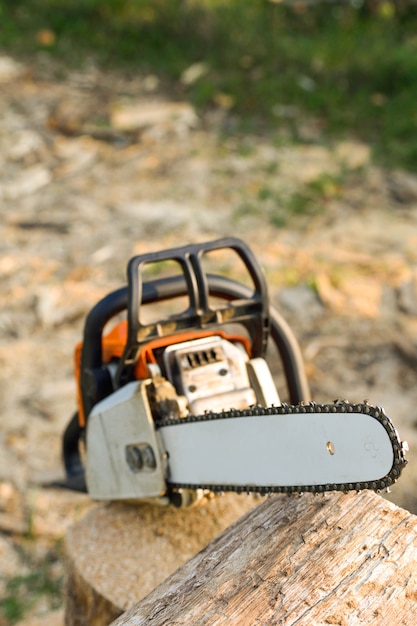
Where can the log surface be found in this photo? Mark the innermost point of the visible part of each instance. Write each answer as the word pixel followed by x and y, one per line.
pixel 346 559
pixel 118 553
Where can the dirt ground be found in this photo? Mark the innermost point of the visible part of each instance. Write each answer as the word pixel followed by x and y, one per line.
pixel 98 167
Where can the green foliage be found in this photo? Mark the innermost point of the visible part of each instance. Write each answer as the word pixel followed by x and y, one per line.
pixel 278 206
pixel 312 197
pixel 272 65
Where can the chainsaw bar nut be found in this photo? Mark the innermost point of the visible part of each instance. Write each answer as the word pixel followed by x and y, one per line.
pixel 140 457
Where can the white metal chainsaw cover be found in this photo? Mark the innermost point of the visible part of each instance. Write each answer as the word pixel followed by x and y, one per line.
pixel 119 423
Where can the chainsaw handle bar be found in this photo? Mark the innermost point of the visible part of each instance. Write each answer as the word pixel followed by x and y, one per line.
pixel 250 310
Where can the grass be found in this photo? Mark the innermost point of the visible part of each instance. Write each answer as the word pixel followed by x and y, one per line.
pixel 42 583
pixel 273 66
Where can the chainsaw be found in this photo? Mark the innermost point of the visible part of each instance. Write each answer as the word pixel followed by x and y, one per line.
pixel 177 402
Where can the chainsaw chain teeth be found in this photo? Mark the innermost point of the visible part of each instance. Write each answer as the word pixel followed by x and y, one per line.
pixel 339 406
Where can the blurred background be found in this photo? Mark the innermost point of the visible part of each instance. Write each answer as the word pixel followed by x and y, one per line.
pixel 346 66
pixel 128 126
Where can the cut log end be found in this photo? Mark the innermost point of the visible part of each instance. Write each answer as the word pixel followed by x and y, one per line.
pixel 118 553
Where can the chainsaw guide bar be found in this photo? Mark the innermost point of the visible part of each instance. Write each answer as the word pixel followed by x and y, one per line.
pixel 382 428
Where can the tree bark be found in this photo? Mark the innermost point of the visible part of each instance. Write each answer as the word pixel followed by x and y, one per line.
pixel 346 559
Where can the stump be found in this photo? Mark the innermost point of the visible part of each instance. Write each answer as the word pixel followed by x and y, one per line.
pixel 346 559
pixel 118 553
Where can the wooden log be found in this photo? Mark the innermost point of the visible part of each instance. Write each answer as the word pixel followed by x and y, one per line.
pixel 346 559
pixel 118 553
